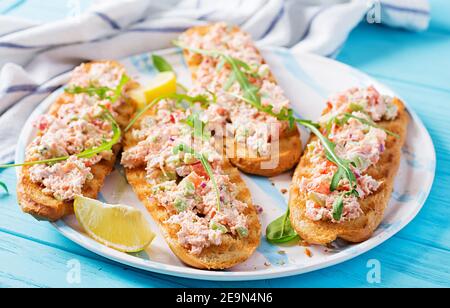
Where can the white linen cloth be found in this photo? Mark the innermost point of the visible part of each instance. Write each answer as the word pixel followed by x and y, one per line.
pixel 32 54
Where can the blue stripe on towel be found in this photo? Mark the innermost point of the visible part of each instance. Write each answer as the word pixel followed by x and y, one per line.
pixel 274 22
pixel 32 88
pixel 310 22
pixel 16 46
pixel 156 29
pixel 114 24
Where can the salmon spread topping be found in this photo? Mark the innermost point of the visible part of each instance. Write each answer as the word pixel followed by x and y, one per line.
pixel 204 208
pixel 357 142
pixel 250 127
pixel 76 126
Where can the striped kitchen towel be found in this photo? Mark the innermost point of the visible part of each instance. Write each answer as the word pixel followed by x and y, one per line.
pixel 32 54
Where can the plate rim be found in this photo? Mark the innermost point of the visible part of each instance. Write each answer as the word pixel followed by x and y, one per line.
pixel 192 273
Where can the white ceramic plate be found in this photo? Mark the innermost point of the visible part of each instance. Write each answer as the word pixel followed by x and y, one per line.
pixel 307 80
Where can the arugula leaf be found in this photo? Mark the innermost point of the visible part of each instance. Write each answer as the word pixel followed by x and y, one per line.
pixel 105 146
pixel 251 96
pixel 369 123
pixel 194 121
pixel 203 100
pixel 118 90
pixel 101 92
pixel 161 64
pixel 338 206
pixel 3 185
pixel 344 171
pixel 250 90
pixel 184 148
pixel 280 230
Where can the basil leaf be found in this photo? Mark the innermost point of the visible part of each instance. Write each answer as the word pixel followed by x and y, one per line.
pixel 3 185
pixel 280 230
pixel 161 64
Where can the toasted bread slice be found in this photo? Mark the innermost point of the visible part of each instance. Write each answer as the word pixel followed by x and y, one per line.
pixel 233 249
pixel 289 149
pixel 361 228
pixel 44 206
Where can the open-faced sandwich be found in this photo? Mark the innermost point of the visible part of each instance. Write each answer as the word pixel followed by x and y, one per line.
pixel 345 196
pixel 77 141
pixel 224 61
pixel 197 198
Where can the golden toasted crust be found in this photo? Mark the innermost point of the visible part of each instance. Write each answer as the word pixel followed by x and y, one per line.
pixel 233 249
pixel 290 144
pixel 44 206
pixel 360 229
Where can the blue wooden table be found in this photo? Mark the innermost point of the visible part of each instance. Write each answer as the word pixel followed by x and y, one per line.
pixel 417 66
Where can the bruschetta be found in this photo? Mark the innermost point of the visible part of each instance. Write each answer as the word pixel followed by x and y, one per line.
pixel 198 199
pixel 368 130
pixel 255 141
pixel 75 124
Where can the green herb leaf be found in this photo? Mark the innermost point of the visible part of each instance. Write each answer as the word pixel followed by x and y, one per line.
pixel 338 206
pixel 161 64
pixel 184 148
pixel 118 90
pixel 251 96
pixel 344 170
pixel 105 146
pixel 369 123
pixel 199 127
pixel 238 71
pixel 101 92
pixel 3 185
pixel 280 230
pixel 203 100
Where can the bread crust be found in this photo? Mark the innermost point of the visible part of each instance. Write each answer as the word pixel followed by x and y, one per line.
pixel 360 229
pixel 34 201
pixel 233 249
pixel 290 148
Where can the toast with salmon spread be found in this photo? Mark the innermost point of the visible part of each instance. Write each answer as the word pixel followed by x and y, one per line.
pixel 77 141
pixel 198 199
pixel 368 130
pixel 224 61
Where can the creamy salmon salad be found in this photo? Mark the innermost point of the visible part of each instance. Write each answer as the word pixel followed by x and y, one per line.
pixel 76 126
pixel 203 208
pixel 357 142
pixel 250 127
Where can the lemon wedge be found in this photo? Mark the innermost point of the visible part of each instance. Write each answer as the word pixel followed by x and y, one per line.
pixel 162 84
pixel 117 226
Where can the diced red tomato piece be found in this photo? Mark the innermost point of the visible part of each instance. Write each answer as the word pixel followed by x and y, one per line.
pixel 198 168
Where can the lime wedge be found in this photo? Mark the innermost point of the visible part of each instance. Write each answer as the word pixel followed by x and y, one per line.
pixel 121 227
pixel 162 84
